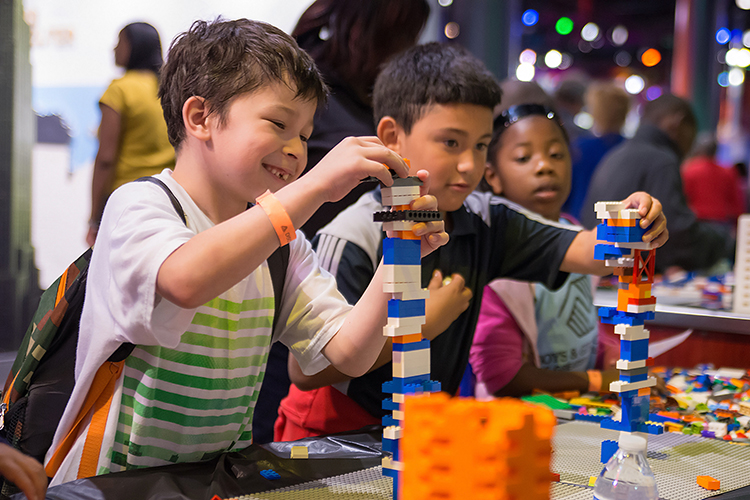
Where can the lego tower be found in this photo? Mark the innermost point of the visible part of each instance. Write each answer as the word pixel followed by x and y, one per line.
pixel 633 263
pixel 402 278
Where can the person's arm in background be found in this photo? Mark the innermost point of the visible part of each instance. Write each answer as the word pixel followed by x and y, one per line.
pixel 23 471
pixel 104 167
pixel 497 357
pixel 445 304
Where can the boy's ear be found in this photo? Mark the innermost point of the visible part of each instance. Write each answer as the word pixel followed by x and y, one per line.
pixel 491 177
pixel 389 133
pixel 195 118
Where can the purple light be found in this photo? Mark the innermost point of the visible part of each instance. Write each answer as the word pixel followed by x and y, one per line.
pixel 653 92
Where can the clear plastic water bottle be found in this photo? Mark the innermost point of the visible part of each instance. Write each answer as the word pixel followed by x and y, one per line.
pixel 627 475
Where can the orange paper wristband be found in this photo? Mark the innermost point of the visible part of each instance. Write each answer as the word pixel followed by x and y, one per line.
pixel 278 217
pixel 595 380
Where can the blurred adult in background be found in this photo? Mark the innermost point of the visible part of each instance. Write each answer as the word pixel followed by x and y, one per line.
pixel 608 105
pixel 713 192
pixel 740 169
pixel 350 41
pixel 133 139
pixel 567 100
pixel 650 162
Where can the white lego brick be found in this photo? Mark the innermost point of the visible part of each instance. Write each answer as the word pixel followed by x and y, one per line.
pixel 400 191
pixel 399 398
pixel 389 463
pixel 402 273
pixel 401 287
pixel 622 386
pixel 718 428
pixel 417 356
pixel 621 262
pixel 400 331
pixel 415 294
pixel 407 321
pixel 393 431
pixel 398 225
pixel 629 214
pixel 624 364
pixel 398 199
pixel 609 206
pixel 398 415
pixel 641 245
pixel 631 332
pixel 636 309
pixel 404 370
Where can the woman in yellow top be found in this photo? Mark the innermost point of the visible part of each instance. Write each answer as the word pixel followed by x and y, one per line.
pixel 133 139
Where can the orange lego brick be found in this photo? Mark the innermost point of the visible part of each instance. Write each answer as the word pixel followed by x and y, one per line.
pixel 407 235
pixel 621 222
pixel 407 339
pixel 644 391
pixel 458 448
pixel 708 482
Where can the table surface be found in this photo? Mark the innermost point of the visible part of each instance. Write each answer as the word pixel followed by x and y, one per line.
pixel 676 315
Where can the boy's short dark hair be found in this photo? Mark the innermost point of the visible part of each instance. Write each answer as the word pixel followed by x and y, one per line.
pixel 220 60
pixel 433 73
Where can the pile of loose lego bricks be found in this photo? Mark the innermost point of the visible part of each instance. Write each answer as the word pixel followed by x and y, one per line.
pixel 701 401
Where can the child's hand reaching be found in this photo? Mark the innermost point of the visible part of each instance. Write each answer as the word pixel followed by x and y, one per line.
pixel 650 211
pixel 433 233
pixel 354 159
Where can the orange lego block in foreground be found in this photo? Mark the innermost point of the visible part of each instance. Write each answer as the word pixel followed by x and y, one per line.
pixel 708 482
pixel 459 448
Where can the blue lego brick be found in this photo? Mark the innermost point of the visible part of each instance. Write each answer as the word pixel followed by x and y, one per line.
pixel 391 473
pixel 624 319
pixel 270 474
pixel 633 350
pixel 390 405
pixel 431 386
pixel 635 375
pixel 412 346
pixel 405 308
pixel 586 417
pixel 708 434
pixel 654 429
pixel 391 446
pixel 629 235
pixel 411 386
pixel 604 252
pixel 613 425
pixel 602 232
pixel 634 408
pixel 607 312
pixel 388 420
pixel 609 448
pixel 398 251
pixel 660 418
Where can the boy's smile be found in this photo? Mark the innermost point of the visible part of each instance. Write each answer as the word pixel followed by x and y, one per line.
pixel 263 142
pixel 450 141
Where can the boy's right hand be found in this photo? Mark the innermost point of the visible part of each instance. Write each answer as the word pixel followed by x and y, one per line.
pixel 354 159
pixel 446 303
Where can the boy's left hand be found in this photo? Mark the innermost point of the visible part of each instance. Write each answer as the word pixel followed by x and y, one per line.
pixel 433 233
pixel 651 215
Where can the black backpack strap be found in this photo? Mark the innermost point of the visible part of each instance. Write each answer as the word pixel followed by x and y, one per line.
pixel 126 348
pixel 172 198
pixel 277 264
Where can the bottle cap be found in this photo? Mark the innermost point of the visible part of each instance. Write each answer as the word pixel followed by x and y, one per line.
pixel 632 442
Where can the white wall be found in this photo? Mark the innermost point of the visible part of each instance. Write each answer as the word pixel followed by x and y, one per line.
pixel 73 62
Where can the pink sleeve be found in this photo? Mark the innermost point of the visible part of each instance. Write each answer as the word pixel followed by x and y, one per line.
pixel 497 351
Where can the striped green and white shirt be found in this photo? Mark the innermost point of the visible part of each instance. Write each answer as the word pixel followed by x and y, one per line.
pixel 189 387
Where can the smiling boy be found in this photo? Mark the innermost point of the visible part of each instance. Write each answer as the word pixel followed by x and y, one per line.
pixel 434 106
pixel 196 299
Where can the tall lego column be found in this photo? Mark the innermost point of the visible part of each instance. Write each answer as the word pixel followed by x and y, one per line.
pixel 633 263
pixel 402 278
